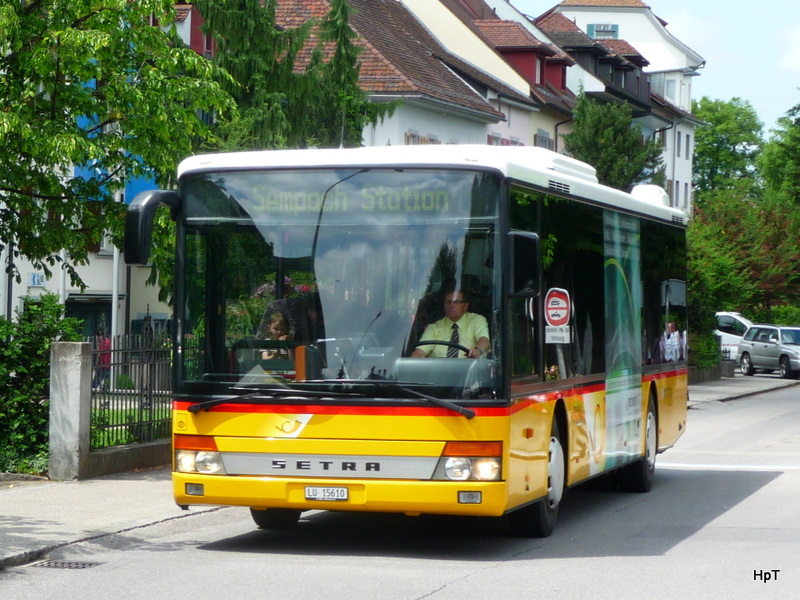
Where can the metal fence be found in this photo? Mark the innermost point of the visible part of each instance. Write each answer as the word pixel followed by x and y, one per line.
pixel 131 389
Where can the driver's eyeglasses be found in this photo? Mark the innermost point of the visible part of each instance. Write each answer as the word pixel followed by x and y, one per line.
pixel 455 301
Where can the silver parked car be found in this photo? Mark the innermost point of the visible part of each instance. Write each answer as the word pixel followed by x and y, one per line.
pixel 771 348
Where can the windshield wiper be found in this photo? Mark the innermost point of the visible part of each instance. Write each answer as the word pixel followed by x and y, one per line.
pixel 468 413
pixel 439 402
pixel 273 393
pixel 270 394
pixel 217 401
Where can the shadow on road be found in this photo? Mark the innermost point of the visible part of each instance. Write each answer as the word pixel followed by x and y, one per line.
pixel 593 522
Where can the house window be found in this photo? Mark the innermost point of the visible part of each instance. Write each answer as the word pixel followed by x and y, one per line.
pixel 208 46
pixel 542 139
pixel 603 31
pixel 677 193
pixel 687 146
pixel 686 195
pixel 493 139
pixel 669 90
pixel 678 145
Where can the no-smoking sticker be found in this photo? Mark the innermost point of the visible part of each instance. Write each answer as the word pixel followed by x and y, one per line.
pixel 557 307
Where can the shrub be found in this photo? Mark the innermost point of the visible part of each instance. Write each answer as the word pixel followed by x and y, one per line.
pixel 25 380
pixel 704 350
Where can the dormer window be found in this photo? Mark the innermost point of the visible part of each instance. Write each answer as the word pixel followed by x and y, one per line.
pixel 603 31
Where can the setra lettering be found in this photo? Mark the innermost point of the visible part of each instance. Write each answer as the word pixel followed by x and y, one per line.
pixel 280 464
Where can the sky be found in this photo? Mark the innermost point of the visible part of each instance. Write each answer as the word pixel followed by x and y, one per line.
pixel 752 50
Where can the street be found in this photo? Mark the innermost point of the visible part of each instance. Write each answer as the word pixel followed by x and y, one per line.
pixel 722 521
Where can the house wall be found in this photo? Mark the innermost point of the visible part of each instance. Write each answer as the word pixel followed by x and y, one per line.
pixel 425 123
pixel 679 166
pixel 672 68
pixel 460 40
pixel 644 32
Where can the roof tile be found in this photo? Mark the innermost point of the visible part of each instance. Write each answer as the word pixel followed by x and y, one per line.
pixel 399 58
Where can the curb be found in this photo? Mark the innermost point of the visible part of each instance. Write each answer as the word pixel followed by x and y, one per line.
pixel 30 556
pixel 745 394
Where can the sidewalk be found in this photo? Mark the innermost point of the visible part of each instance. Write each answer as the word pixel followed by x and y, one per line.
pixel 37 516
pixel 740 386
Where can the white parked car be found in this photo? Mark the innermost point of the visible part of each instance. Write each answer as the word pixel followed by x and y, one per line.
pixel 771 348
pixel 730 329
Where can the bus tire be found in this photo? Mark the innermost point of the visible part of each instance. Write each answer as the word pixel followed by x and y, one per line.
pixel 539 519
pixel 638 476
pixel 275 518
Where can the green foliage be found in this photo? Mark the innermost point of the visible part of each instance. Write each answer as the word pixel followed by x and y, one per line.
pixel 342 108
pixel 780 161
pixel 744 251
pixel 726 147
pixel 25 375
pixel 605 136
pixel 287 94
pixel 124 382
pixel 783 315
pixel 97 86
pixel 703 350
pixel 744 239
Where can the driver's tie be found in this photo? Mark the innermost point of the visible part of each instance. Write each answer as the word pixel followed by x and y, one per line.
pixel 452 351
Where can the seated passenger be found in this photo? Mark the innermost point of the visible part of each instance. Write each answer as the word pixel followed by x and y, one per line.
pixel 458 326
pixel 278 330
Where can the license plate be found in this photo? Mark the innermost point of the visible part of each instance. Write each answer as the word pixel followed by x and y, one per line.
pixel 329 494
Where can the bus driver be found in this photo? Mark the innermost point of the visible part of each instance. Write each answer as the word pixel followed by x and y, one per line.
pixel 458 326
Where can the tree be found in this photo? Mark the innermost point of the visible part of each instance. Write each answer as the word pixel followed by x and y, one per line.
pixel 744 251
pixel 292 90
pixel 92 85
pixel 780 161
pixel 298 86
pixel 726 147
pixel 605 136
pixel 345 107
pixel 263 80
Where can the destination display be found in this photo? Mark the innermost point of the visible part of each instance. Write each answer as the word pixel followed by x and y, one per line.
pixel 306 195
pixel 404 199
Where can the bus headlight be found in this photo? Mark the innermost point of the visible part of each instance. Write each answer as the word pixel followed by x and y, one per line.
pixel 458 468
pixel 469 468
pixel 486 469
pixel 470 461
pixel 193 461
pixel 209 463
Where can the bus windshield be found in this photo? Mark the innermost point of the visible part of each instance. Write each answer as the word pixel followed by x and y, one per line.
pixel 342 270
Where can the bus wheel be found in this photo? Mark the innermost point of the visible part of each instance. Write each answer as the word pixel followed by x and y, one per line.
pixel 539 519
pixel 638 477
pixel 275 518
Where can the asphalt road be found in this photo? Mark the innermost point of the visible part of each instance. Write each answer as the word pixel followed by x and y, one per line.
pixel 722 521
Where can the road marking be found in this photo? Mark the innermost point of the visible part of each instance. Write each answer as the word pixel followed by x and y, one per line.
pixel 701 467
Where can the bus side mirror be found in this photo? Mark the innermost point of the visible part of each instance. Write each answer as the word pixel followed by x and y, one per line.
pixel 526 263
pixel 139 223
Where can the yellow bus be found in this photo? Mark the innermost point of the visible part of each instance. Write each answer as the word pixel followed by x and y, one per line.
pixel 306 279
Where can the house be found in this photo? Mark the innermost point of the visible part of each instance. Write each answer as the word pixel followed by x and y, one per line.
pixel 445 99
pixel 671 67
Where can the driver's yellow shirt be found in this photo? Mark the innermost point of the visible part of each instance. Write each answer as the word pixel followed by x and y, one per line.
pixel 471 328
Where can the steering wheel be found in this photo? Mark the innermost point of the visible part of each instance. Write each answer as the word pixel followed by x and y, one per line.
pixel 464 349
